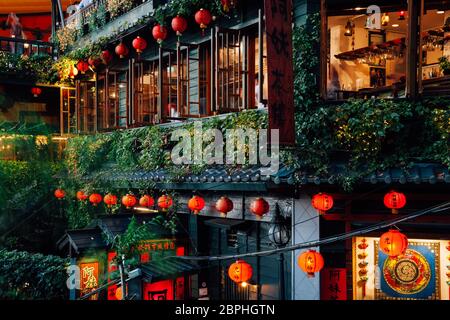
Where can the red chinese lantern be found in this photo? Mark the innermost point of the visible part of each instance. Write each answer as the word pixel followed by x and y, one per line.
pixel 82 66
pixel 107 56
pixel 196 204
pixel 394 200
pixel 110 200
pixel 94 62
pixel 165 202
pixel 224 205
pixel 240 272
pixel 129 200
pixel 121 50
pixel 179 25
pixel 146 201
pixel 60 194
pixel 203 18
pixel 259 207
pixel 139 44
pixel 95 199
pixel 393 243
pixel 119 294
pixel 81 195
pixel 322 202
pixel 401 15
pixel 36 91
pixel 159 32
pixel 310 262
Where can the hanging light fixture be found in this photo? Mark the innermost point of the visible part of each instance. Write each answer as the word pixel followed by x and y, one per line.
pixel 349 29
pixel 401 15
pixel 394 200
pixel 280 232
pixel 385 20
pixel 393 243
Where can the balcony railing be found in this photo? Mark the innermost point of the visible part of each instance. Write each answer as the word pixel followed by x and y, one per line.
pixel 27 47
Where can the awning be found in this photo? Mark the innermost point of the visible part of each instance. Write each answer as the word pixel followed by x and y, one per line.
pixel 167 269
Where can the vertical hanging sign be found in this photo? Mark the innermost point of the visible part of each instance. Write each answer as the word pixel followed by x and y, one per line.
pixel 278 14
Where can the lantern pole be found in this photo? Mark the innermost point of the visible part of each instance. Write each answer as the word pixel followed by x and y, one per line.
pixel 122 276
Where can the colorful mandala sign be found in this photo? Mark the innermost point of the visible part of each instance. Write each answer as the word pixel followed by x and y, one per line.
pixel 409 273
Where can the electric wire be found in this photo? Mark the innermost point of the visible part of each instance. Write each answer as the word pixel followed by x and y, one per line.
pixel 315 243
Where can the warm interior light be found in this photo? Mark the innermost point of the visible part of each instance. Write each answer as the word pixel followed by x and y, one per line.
pixel 143 209
pixel 440 12
pixel 395 25
pixel 385 20
pixel 348 29
pixel 26 45
pixel 244 284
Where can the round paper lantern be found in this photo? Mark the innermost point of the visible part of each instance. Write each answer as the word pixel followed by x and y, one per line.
pixel 310 262
pixel 196 204
pixel 224 205
pixel 60 194
pixel 179 25
pixel 159 32
pixel 82 66
pixel 110 200
pixel 119 294
pixel 259 207
pixel 322 202
pixel 394 200
pixel 393 243
pixel 94 62
pixel 107 56
pixel 36 91
pixel 146 201
pixel 240 272
pixel 95 199
pixel 203 18
pixel 165 202
pixel 81 195
pixel 139 44
pixel 129 201
pixel 121 50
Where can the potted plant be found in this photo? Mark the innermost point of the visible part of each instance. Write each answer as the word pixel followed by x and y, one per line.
pixel 444 64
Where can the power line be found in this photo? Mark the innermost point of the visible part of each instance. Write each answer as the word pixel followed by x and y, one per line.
pixel 435 209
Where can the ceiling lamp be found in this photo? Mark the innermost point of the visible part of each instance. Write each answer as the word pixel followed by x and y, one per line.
pixel 401 15
pixel 349 29
pixel 385 20
pixel 280 232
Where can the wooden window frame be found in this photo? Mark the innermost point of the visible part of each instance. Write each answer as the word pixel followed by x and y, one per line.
pixel 413 63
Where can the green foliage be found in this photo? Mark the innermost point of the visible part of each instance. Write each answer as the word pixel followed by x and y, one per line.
pixel 186 8
pixel 365 135
pixel 127 243
pixel 27 276
pixel 444 64
pixel 37 67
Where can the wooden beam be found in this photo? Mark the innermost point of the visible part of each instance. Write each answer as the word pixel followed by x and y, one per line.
pixel 439 219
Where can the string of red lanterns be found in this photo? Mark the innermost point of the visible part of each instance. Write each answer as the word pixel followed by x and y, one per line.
pixel 36 92
pixel 82 66
pixel 203 18
pixel 139 44
pixel 121 50
pixel 322 202
pixel 159 33
pixel 110 200
pixel 240 272
pixel 146 201
pixel 129 201
pixel 196 204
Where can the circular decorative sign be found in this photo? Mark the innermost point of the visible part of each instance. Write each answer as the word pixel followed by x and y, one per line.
pixel 408 273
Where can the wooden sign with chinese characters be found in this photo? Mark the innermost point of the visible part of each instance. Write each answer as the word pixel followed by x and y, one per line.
pixel 112 267
pixel 88 279
pixel 280 68
pixel 333 284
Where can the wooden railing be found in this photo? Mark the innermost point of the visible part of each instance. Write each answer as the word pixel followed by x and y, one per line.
pixel 27 47
pixel 85 12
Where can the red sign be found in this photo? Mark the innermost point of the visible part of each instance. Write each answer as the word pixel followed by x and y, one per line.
pixel 333 284
pixel 112 267
pixel 88 279
pixel 280 68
